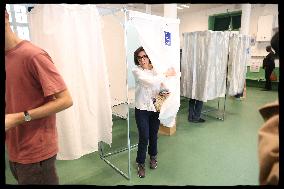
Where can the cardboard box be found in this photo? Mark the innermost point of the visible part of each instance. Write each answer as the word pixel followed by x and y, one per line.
pixel 163 130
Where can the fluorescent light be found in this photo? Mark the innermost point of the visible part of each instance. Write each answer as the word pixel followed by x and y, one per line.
pixel 179 8
pixel 186 6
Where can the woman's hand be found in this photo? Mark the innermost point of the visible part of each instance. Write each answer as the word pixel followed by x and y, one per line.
pixel 165 94
pixel 163 86
pixel 170 72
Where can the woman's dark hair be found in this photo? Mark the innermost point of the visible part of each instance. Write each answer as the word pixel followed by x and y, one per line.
pixel 136 55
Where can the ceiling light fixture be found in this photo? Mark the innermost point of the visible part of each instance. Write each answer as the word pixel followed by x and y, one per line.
pixel 186 6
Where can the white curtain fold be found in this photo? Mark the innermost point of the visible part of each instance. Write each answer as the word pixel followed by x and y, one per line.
pixel 151 30
pixel 71 34
pixel 239 57
pixel 204 64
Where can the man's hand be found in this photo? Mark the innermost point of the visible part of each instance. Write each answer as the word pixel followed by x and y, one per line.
pixel 12 120
pixel 62 100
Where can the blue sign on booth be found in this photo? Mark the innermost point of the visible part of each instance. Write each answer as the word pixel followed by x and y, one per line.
pixel 167 38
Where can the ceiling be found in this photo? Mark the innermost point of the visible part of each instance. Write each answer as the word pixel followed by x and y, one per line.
pixel 159 8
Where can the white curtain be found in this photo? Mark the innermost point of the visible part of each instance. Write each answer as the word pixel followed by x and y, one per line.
pixel 118 48
pixel 204 64
pixel 239 57
pixel 71 34
pixel 164 53
pixel 113 39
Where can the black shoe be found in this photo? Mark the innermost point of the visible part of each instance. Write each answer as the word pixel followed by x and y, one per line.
pixel 153 162
pixel 189 119
pixel 141 170
pixel 200 120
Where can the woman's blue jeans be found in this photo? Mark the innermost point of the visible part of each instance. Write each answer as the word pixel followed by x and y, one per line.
pixel 148 126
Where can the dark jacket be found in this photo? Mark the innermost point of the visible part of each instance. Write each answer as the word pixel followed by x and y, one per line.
pixel 268 62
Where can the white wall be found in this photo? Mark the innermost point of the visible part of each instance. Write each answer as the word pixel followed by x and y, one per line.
pixel 198 21
pixel 257 11
pixel 261 10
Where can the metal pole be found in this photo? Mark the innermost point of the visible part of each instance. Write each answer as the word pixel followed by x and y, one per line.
pixel 230 29
pixel 224 107
pixel 102 155
pixel 128 130
pixel 118 151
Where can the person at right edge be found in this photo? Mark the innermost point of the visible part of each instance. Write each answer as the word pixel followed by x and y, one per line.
pixel 268 137
pixel 268 66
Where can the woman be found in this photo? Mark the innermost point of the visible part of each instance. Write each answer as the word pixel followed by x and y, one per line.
pixel 148 85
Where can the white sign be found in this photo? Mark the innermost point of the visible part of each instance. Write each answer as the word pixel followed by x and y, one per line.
pixel 254 67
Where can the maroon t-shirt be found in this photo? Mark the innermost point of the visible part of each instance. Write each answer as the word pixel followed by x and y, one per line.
pixel 31 80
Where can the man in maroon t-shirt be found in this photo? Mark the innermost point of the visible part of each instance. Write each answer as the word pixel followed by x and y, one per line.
pixel 35 92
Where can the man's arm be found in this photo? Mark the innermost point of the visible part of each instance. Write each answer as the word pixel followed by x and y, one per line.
pixel 62 101
pixel 264 62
